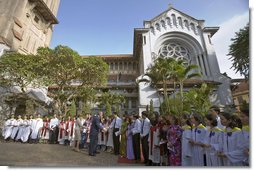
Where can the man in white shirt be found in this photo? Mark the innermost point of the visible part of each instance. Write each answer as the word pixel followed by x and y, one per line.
pixel 145 128
pixel 116 125
pixel 136 137
pixel 54 122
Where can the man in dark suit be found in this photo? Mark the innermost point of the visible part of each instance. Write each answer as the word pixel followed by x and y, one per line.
pixel 94 131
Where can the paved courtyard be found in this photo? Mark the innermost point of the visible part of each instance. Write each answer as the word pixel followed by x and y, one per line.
pixel 51 155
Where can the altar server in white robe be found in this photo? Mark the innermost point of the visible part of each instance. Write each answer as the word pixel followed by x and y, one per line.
pixel 212 141
pixel 154 143
pixel 22 126
pixel 16 127
pixel 36 126
pixel 62 128
pixel 26 130
pixel 232 139
pixel 244 116
pixel 198 134
pixel 9 124
pixel 186 137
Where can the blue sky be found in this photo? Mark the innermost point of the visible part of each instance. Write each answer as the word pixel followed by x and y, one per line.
pixel 96 27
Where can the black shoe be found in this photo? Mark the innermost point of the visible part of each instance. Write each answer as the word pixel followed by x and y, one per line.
pixel 91 155
pixel 97 152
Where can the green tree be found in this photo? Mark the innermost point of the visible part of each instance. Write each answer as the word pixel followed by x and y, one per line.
pixel 108 109
pixel 20 70
pixel 168 69
pixel 198 99
pixel 73 109
pixel 68 72
pixel 182 73
pixel 151 109
pixel 239 52
pixel 162 71
pixel 114 100
pixel 88 96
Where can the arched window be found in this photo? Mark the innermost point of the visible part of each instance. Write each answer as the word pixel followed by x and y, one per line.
pixel 157 26
pixel 176 51
pixel 174 19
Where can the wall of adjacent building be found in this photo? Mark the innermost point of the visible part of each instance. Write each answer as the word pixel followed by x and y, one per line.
pixel 23 27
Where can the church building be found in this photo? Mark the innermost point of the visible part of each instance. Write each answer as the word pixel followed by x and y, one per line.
pixel 171 34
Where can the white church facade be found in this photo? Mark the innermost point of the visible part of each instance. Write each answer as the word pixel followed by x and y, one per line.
pixel 171 34
pixel 177 35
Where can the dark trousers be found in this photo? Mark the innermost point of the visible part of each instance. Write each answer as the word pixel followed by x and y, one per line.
pixel 56 134
pixel 52 136
pixel 136 146
pixel 145 148
pixel 116 142
pixel 93 144
pixel 83 140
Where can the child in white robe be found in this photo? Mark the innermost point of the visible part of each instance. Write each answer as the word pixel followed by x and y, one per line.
pixel 26 130
pixel 68 130
pixel 244 157
pixel 62 127
pixel 197 139
pixel 36 126
pixel 72 131
pixel 154 143
pixel 232 137
pixel 22 126
pixel 16 127
pixel 212 141
pixel 186 137
pixel 9 124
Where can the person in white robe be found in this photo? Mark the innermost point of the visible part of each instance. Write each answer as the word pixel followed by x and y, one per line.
pixel 36 126
pixel 16 127
pixel 62 127
pixel 26 130
pixel 154 144
pixel 245 148
pixel 197 138
pixel 22 127
pixel 68 124
pixel 27 136
pixel 186 137
pixel 212 141
pixel 72 131
pixel 9 125
pixel 232 139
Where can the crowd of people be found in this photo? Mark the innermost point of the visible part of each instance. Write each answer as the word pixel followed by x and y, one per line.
pixel 215 139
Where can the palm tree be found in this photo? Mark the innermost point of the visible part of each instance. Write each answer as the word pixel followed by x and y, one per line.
pixel 182 73
pixel 161 71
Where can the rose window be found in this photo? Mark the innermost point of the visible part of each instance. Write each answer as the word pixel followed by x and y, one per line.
pixel 176 51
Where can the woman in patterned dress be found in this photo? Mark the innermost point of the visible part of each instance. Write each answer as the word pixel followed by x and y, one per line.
pixel 174 136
